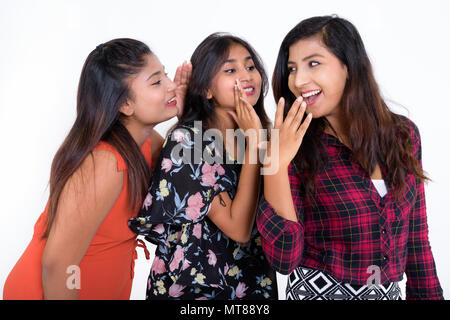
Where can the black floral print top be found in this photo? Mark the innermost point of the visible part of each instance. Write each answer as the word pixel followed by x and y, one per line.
pixel 194 259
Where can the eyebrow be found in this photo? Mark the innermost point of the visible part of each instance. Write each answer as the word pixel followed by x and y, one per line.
pixel 308 57
pixel 154 74
pixel 234 60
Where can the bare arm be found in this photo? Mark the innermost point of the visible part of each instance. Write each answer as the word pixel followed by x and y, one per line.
pixel 277 189
pixel 235 217
pixel 86 200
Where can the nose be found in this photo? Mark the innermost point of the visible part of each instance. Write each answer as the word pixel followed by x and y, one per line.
pixel 244 75
pixel 301 78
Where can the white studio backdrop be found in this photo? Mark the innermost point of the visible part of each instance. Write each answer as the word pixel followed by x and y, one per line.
pixel 44 45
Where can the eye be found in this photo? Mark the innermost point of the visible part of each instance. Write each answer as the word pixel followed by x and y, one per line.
pixel 159 81
pixel 229 70
pixel 292 69
pixel 313 63
pixel 251 68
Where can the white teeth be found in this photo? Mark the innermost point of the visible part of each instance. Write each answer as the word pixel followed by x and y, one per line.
pixel 171 100
pixel 311 93
pixel 249 89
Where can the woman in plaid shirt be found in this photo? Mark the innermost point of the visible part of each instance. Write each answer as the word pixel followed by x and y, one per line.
pixel 345 213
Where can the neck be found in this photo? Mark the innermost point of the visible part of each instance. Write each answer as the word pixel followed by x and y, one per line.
pixel 334 127
pixel 223 120
pixel 138 132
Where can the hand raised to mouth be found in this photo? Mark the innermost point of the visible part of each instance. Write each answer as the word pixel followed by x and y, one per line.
pixel 181 79
pixel 291 129
pixel 245 115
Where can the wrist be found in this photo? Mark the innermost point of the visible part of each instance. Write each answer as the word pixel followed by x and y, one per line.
pixel 252 156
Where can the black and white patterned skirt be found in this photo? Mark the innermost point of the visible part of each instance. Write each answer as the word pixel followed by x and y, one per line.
pixel 309 284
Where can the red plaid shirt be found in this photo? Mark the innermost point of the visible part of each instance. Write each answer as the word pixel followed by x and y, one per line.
pixel 349 227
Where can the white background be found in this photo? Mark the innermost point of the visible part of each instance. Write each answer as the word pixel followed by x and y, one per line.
pixel 44 45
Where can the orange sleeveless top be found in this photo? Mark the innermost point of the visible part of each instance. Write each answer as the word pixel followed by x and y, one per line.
pixel 106 270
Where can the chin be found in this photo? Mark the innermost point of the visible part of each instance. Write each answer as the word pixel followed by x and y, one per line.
pixel 173 111
pixel 255 98
pixel 315 110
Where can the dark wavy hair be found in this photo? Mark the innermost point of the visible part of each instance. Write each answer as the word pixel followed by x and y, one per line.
pixel 376 134
pixel 102 90
pixel 206 61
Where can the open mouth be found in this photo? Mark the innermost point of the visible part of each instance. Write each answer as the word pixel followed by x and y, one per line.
pixel 172 102
pixel 249 91
pixel 310 97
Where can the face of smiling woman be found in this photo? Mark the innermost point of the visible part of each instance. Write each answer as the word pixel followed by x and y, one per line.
pixel 318 76
pixel 238 65
pixel 152 95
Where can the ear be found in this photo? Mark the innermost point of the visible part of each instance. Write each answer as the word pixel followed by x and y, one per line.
pixel 127 109
pixel 209 94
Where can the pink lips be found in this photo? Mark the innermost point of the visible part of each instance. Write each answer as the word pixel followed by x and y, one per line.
pixel 173 103
pixel 249 93
pixel 311 99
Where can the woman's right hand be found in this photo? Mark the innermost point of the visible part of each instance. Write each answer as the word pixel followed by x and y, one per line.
pixel 290 131
pixel 245 115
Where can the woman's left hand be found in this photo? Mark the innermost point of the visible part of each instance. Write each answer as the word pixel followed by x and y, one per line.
pixel 182 77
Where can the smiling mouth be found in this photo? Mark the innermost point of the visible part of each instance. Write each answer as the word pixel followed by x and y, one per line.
pixel 249 91
pixel 311 96
pixel 172 102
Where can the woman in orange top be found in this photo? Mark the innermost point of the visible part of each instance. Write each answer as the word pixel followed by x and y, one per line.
pixel 82 246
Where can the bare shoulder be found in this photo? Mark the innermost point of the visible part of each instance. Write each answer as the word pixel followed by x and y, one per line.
pixel 88 196
pixel 98 170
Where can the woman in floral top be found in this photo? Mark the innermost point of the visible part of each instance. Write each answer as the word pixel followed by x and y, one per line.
pixel 200 208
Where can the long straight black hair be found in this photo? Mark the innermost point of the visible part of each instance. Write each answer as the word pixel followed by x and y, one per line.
pixel 206 61
pixel 376 134
pixel 102 90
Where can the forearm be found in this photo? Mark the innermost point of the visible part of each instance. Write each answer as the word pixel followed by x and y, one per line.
pixel 55 284
pixel 422 280
pixel 277 191
pixel 282 240
pixel 284 255
pixel 277 220
pixel 243 208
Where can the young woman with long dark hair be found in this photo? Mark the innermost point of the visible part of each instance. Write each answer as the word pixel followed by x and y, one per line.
pixel 82 247
pixel 345 214
pixel 201 206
